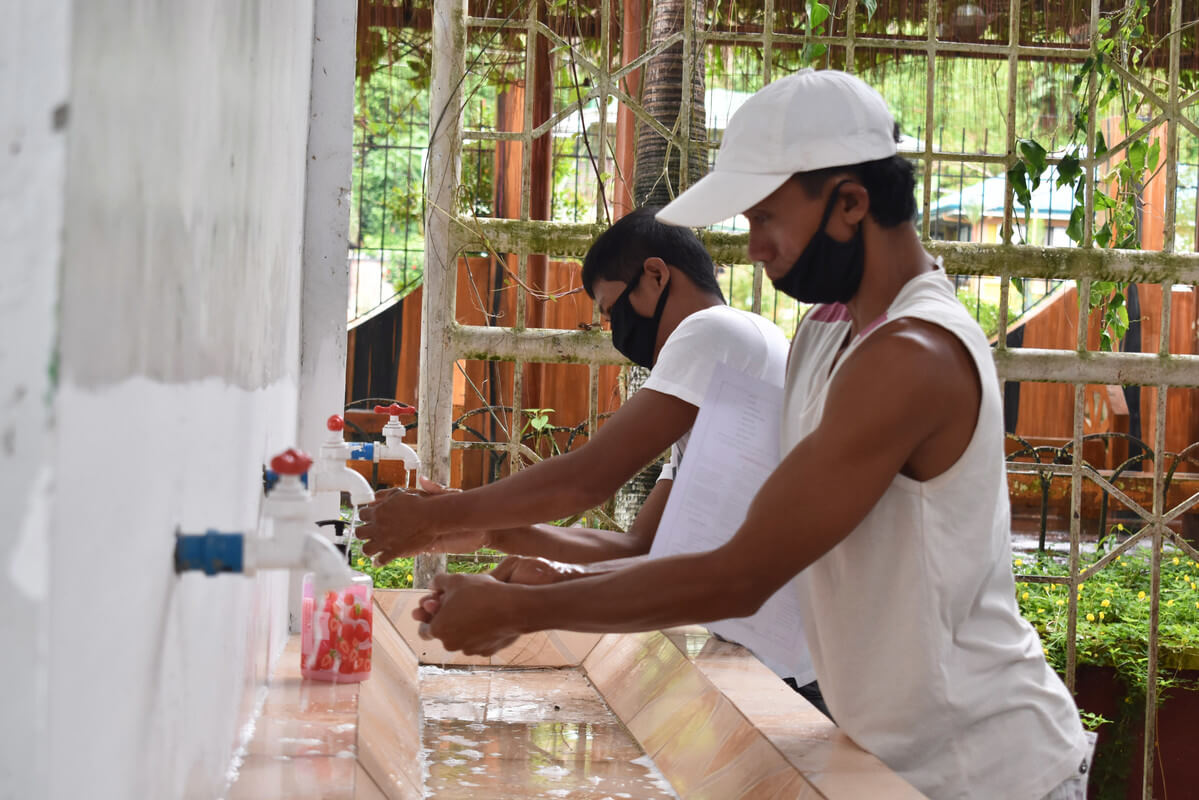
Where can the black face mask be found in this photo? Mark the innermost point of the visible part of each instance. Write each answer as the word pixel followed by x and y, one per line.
pixel 632 334
pixel 827 271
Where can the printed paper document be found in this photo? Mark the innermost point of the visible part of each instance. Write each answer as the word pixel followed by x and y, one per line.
pixel 734 446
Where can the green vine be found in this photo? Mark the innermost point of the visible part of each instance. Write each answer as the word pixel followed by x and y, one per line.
pixel 1122 41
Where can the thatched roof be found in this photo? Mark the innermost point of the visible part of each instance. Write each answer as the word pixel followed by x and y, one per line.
pixel 1062 23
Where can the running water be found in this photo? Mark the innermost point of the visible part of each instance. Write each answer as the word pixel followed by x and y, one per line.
pixel 538 733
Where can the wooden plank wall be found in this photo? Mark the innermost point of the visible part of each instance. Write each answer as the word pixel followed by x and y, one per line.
pixel 1047 409
pixel 485 293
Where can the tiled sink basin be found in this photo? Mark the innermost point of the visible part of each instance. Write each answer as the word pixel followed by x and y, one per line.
pixel 556 715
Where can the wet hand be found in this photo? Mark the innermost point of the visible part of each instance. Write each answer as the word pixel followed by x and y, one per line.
pixel 529 571
pixel 466 613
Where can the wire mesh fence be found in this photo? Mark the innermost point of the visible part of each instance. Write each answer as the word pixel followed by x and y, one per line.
pixel 1057 152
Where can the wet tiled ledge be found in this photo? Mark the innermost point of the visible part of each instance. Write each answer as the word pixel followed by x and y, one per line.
pixel 305 741
pixel 714 721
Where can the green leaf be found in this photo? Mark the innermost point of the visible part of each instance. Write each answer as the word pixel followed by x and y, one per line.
pixel 817 13
pixel 1017 174
pixel 1034 155
pixel 1074 229
pixel 1104 235
pixel 1069 170
pixel 1136 155
pixel 1082 73
pixel 813 52
pixel 1152 156
pixel 871 7
pixel 1103 201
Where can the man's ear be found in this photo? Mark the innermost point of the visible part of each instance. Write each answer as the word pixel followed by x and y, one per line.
pixel 657 271
pixel 853 203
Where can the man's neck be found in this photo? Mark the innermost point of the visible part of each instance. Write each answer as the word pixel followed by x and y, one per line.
pixel 893 257
pixel 690 300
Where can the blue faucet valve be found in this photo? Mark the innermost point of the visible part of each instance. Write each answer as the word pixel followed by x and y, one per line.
pixel 362 451
pixel 210 552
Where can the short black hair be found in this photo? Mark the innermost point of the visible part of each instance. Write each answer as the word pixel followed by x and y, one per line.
pixel 618 253
pixel 890 183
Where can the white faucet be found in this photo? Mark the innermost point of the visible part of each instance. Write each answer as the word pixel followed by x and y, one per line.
pixel 393 448
pixel 288 538
pixel 332 475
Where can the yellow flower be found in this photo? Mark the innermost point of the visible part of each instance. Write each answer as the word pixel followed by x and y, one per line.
pixel 1140 595
pixel 1106 602
pixel 1169 602
pixel 1119 526
pixel 1061 602
pixel 1175 559
pixel 1024 596
pixel 1045 650
pixel 1107 590
pixel 1102 614
pixel 1090 617
pixel 408 577
pixel 1192 586
pixel 1080 586
pixel 1019 562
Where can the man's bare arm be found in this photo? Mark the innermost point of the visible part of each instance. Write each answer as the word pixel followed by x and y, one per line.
pixel 893 397
pixel 643 428
pixel 586 545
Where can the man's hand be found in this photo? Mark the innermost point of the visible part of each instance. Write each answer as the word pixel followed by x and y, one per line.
pixel 466 613
pixel 400 523
pixel 533 571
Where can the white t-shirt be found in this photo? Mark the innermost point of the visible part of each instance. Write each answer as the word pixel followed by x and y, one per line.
pixel 744 341
pixel 919 647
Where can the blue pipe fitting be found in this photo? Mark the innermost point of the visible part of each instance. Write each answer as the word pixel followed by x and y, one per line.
pixel 362 451
pixel 270 478
pixel 211 552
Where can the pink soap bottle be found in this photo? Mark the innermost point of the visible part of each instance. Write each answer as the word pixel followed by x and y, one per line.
pixel 336 632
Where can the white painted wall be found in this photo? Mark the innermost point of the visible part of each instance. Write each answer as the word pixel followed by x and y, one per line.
pixel 33 84
pixel 155 238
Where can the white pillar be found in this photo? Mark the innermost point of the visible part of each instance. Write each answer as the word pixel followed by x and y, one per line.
pixel 326 279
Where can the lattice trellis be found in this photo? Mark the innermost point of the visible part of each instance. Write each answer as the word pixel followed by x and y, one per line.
pixel 444 342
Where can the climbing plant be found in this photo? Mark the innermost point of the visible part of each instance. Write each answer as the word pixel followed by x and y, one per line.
pixel 1122 44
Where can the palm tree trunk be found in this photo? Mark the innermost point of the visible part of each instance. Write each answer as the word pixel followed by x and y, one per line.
pixel 657 174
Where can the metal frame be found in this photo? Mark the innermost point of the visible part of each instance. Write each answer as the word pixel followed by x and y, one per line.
pixel 447 234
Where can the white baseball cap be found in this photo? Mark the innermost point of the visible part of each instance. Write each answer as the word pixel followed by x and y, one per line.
pixel 807 121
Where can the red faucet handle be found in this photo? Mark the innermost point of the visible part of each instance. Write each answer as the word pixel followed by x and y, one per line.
pixel 291 462
pixel 335 423
pixel 396 410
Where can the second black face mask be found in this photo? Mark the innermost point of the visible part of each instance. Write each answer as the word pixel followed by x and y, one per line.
pixel 827 271
pixel 632 334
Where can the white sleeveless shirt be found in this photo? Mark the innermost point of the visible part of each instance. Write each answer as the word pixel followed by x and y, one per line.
pixel 920 650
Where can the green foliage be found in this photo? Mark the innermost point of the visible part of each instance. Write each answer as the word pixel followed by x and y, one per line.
pixel 397 574
pixel 1113 631
pixel 1122 39
pixel 737 283
pixel 987 314
pixel 1113 614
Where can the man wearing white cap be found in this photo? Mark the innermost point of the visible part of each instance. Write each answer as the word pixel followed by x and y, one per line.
pixel 894 440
